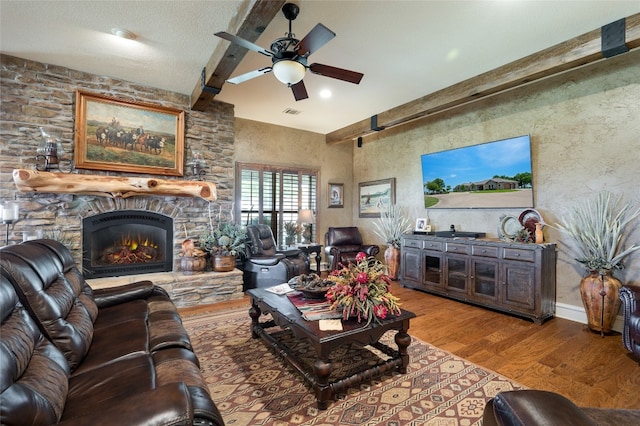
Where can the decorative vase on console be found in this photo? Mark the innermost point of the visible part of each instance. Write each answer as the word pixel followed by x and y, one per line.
pixel 598 229
pixel 390 227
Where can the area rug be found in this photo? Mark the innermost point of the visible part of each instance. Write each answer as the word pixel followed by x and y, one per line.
pixel 252 386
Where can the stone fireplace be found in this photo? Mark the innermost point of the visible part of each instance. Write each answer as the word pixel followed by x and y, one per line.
pixel 47 99
pixel 126 242
pixel 167 221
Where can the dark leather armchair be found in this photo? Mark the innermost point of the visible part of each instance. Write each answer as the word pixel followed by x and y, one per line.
pixel 532 407
pixel 343 244
pixel 630 297
pixel 267 266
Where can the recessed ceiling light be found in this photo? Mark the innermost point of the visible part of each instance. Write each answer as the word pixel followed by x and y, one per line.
pixel 325 93
pixel 121 32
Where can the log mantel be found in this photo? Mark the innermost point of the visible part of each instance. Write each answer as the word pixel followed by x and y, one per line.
pixel 110 186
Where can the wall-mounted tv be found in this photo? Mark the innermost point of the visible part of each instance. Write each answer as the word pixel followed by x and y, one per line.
pixel 489 175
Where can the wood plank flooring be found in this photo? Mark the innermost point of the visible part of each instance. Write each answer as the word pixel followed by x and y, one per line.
pixel 560 355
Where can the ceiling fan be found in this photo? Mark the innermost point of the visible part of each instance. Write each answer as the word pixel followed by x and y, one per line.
pixel 289 56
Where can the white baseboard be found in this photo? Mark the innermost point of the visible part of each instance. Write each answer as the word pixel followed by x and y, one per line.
pixel 577 314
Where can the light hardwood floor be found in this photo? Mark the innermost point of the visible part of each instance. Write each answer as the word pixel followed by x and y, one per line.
pixel 560 355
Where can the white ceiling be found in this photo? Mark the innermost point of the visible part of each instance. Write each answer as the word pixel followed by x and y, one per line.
pixel 406 49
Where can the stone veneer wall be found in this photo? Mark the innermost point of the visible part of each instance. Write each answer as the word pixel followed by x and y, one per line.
pixel 36 94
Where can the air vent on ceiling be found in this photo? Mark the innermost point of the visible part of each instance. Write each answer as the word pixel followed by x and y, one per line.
pixel 291 111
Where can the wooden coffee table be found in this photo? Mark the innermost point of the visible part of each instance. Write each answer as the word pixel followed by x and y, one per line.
pixel 286 315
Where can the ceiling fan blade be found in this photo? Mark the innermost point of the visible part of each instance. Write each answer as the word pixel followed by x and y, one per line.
pixel 244 43
pixel 249 75
pixel 317 37
pixel 339 73
pixel 299 91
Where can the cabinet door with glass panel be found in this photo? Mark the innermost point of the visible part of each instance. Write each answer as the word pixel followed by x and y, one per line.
pixel 484 279
pixel 455 273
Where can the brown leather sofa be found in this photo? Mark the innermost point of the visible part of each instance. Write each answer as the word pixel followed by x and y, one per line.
pixel 342 244
pixel 542 408
pixel 76 356
pixel 630 297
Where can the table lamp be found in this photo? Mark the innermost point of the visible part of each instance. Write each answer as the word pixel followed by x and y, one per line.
pixel 306 218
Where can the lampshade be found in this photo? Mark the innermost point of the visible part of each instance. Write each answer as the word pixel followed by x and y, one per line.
pixel 306 216
pixel 288 72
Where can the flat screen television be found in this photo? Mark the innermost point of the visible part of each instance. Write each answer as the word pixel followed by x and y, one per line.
pixel 489 175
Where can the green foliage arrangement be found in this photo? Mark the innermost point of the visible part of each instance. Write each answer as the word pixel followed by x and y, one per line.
pixel 292 230
pixel 598 229
pixel 227 239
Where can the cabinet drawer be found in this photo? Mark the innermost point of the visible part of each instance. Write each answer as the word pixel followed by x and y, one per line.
pixel 485 251
pixel 406 242
pixel 432 245
pixel 519 254
pixel 456 248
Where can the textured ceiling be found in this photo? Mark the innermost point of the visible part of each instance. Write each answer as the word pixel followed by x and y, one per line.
pixel 406 49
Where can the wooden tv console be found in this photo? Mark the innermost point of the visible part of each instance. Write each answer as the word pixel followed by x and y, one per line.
pixel 516 278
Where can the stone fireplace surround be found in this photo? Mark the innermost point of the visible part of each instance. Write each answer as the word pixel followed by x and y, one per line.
pixel 189 216
pixel 184 290
pixel 39 94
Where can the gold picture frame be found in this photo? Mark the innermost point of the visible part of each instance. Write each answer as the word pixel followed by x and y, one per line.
pixel 121 136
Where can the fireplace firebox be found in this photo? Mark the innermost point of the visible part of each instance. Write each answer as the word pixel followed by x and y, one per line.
pixel 126 242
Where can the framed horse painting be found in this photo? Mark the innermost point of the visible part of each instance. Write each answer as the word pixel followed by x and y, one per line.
pixel 122 136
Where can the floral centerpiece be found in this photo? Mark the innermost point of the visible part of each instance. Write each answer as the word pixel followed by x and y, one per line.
pixel 361 290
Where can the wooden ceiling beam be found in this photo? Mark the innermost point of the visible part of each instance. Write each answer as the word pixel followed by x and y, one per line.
pixel 252 18
pixel 571 54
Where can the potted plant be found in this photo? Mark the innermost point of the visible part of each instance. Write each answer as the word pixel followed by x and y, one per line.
pixel 292 230
pixel 598 230
pixel 224 242
pixel 390 227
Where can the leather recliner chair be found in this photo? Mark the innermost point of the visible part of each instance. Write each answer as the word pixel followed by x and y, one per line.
pixel 630 297
pixel 267 266
pixel 533 407
pixel 342 244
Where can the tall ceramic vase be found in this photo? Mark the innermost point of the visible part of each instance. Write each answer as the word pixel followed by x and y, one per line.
pixel 600 298
pixel 392 259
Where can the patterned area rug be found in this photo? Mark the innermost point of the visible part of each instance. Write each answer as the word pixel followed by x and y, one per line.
pixel 251 386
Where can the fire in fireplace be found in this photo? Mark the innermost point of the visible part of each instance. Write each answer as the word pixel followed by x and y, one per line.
pixel 127 242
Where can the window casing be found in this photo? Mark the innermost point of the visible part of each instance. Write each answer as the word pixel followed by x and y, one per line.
pixel 274 195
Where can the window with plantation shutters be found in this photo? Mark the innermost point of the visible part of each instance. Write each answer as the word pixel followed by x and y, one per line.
pixel 274 195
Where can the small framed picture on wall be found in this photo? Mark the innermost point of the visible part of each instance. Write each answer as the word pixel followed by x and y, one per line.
pixel 336 195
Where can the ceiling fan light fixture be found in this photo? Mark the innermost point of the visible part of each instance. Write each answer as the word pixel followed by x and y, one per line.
pixel 289 72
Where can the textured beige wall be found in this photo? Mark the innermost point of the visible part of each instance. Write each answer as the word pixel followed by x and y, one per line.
pixel 264 143
pixel 585 131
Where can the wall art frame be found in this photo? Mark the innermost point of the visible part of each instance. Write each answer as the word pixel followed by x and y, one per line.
pixel 123 136
pixel 336 195
pixel 376 196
